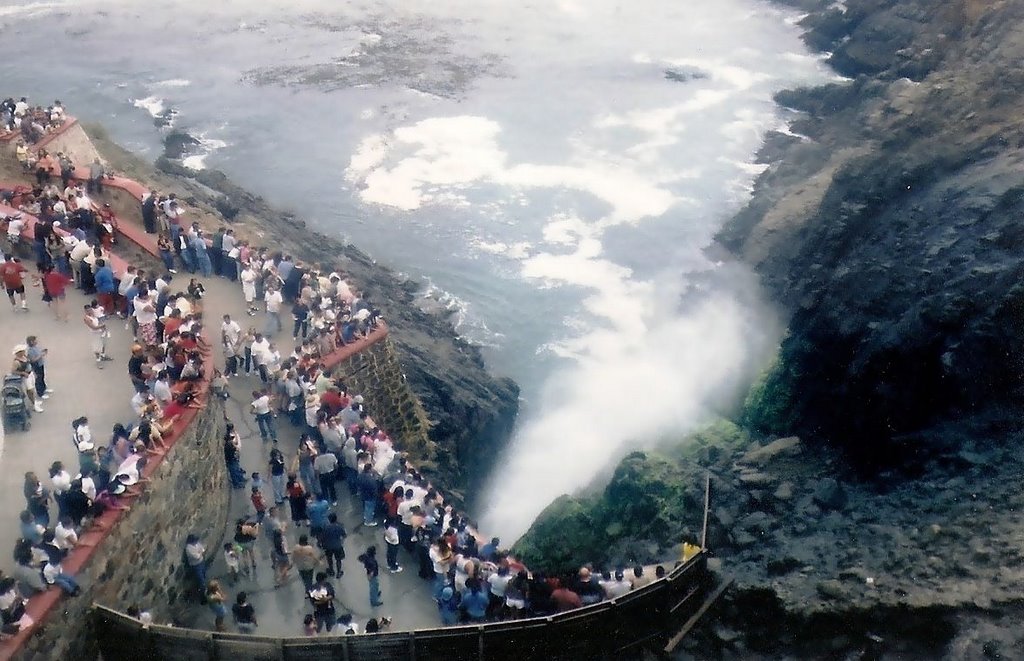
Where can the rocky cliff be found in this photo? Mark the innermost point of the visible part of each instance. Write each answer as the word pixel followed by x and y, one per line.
pixel 868 506
pixel 471 412
pixel 890 229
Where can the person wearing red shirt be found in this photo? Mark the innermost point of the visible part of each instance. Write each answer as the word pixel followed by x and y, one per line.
pixel 565 599
pixel 10 272
pixel 55 286
pixel 331 401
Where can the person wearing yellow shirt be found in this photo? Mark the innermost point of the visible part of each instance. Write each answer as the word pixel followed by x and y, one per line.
pixel 690 549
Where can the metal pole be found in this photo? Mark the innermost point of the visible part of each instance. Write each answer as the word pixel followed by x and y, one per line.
pixel 707 508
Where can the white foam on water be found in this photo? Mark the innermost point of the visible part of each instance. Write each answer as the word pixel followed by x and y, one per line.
pixel 173 82
pixel 31 9
pixel 154 105
pixel 518 250
pixel 207 146
pixel 458 151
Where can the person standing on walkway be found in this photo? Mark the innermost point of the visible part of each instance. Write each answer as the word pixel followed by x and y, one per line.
pixel 55 285
pixel 392 541
pixel 369 488
pixel 333 541
pixel 281 557
pixel 230 334
pixel 277 475
pixel 93 319
pixel 260 407
pixel 244 614
pixel 215 600
pixel 195 556
pixel 274 300
pixel 296 500
pixel 146 315
pixel 326 467
pixel 307 454
pixel 306 560
pixel 322 597
pixel 149 212
pixel 248 277
pixel 233 457
pixel 369 560
pixel 21 366
pixel 11 272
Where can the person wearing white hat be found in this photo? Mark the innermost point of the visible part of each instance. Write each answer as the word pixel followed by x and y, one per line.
pixel 23 368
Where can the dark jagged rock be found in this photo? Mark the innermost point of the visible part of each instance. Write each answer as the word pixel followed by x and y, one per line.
pixel 892 234
pixel 178 144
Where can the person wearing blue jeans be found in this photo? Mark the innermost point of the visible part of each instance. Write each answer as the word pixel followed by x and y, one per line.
pixel 369 560
pixel 54 575
pixel 368 490
pixel 264 418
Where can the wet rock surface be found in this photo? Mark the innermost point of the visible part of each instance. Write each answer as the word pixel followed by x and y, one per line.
pixel 891 231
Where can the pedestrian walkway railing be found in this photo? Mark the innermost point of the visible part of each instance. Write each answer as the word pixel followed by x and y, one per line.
pixel 616 629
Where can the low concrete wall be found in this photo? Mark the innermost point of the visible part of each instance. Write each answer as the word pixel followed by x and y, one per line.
pixel 71 139
pixel 139 560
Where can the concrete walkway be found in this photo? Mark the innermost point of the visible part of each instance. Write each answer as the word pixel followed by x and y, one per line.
pixel 280 611
pixel 80 389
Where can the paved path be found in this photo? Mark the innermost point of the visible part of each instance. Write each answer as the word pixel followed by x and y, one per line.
pixel 81 389
pixel 103 395
pixel 280 611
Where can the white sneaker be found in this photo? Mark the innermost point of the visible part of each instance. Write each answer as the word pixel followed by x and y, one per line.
pixel 44 396
pixel 38 408
pixel 50 390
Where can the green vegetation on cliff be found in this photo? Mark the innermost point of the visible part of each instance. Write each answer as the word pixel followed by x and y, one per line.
pixel 653 501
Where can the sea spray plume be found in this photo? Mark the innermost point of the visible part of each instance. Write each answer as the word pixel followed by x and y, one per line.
pixel 693 355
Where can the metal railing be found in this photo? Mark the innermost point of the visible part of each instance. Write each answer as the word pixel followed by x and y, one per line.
pixel 644 618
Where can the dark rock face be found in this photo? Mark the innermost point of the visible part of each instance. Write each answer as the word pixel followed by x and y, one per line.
pixel 893 233
pixel 179 143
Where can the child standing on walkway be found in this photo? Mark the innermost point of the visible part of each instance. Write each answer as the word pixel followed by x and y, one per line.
pixel 258 503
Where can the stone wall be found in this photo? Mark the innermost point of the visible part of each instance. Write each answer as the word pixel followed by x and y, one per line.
pixel 72 140
pixel 376 373
pixel 139 561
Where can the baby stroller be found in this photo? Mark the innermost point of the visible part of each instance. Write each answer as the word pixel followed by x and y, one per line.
pixel 16 410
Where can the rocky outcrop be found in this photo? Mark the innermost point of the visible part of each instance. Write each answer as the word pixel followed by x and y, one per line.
pixel 825 563
pixel 891 231
pixel 471 412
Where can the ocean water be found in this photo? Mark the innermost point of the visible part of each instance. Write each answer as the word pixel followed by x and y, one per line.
pixel 554 172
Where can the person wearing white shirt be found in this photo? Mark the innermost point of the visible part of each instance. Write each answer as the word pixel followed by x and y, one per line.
pixel 260 407
pixel 60 479
pixel 14 230
pixel 141 400
pixel 260 349
pixel 230 333
pixel 274 300
pixel 248 278
pixel 162 390
pixel 64 535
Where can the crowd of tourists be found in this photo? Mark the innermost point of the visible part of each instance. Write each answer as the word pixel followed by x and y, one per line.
pixel 165 369
pixel 31 122
pixel 341 448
